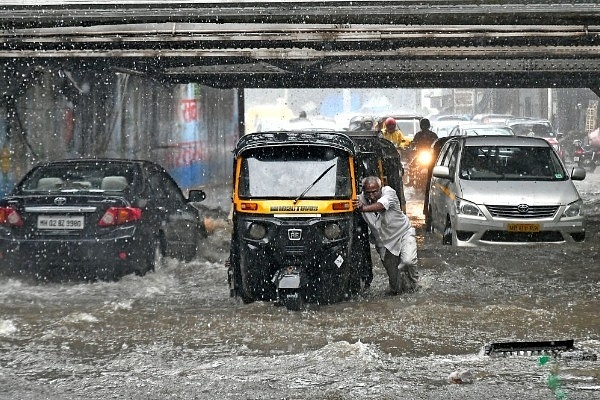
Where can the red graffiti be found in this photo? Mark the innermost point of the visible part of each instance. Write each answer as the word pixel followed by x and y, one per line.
pixel 186 153
pixel 189 110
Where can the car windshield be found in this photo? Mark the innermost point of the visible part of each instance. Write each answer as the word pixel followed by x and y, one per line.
pixel 285 172
pixel 487 131
pixel 79 177
pixel 515 163
pixel 533 129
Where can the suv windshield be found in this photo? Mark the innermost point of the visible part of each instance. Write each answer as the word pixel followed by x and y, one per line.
pixel 285 172
pixel 510 163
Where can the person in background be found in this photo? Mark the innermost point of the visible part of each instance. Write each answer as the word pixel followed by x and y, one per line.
pixel 391 132
pixel 425 137
pixel 392 233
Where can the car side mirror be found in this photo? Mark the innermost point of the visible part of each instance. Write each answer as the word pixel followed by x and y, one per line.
pixel 196 196
pixel 578 174
pixel 441 171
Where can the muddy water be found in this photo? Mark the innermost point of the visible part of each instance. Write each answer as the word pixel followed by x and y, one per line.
pixel 177 334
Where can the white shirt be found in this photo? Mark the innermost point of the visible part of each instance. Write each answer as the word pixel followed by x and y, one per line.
pixel 390 225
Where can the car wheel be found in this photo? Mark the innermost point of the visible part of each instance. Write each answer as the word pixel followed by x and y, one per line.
pixel 156 256
pixel 448 233
pixel 190 252
pixel 428 227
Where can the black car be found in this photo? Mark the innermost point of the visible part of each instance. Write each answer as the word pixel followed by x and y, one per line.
pixel 97 219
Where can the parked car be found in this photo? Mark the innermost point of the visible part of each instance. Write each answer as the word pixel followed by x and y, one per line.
pixel 478 129
pixel 97 219
pixel 504 190
pixel 537 128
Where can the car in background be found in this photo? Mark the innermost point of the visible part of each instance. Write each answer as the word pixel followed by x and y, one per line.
pixel 504 190
pixel 537 127
pixel 478 129
pixel 310 124
pixel 491 118
pixel 97 219
pixel 442 128
pixel 450 117
pixel 361 123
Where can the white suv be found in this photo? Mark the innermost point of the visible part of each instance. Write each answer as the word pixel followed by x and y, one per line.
pixel 504 190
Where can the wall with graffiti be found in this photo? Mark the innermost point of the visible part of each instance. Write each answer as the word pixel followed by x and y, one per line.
pixel 188 128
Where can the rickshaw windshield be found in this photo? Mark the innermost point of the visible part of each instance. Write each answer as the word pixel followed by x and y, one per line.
pixel 285 172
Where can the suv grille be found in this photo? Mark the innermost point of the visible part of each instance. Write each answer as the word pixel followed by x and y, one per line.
pixel 513 211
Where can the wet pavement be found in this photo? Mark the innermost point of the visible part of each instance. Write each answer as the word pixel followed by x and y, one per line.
pixel 177 334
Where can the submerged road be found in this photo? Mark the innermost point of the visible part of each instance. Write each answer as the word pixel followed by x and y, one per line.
pixel 176 333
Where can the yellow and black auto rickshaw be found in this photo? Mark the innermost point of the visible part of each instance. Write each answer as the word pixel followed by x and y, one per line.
pixel 296 237
pixel 294 233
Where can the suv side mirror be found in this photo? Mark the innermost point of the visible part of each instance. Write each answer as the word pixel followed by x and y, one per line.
pixel 441 171
pixel 578 174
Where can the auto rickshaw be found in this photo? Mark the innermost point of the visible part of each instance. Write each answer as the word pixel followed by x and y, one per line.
pixel 295 237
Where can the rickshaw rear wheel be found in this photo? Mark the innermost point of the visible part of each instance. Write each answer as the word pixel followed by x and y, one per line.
pixel 242 280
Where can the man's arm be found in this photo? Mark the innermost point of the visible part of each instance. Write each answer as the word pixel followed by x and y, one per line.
pixel 374 207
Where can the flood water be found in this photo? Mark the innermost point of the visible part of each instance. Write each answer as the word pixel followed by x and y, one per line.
pixel 176 333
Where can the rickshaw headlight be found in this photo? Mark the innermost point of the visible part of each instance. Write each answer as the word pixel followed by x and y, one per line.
pixel 332 231
pixel 257 231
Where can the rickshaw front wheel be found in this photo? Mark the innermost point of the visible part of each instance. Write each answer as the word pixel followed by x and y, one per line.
pixel 293 300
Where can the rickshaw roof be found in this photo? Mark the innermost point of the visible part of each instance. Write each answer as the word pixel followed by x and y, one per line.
pixel 286 138
pixel 371 142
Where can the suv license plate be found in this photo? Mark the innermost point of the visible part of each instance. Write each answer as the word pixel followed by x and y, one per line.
pixel 523 227
pixel 60 222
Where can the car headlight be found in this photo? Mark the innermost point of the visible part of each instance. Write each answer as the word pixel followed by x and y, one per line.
pixel 574 209
pixel 332 231
pixel 467 208
pixel 257 231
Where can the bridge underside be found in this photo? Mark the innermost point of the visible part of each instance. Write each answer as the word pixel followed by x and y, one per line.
pixel 311 44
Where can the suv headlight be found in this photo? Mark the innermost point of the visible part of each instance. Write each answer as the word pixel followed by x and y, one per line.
pixel 467 208
pixel 574 209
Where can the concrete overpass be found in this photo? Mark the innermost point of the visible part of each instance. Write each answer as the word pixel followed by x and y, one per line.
pixel 306 44
pixel 117 78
